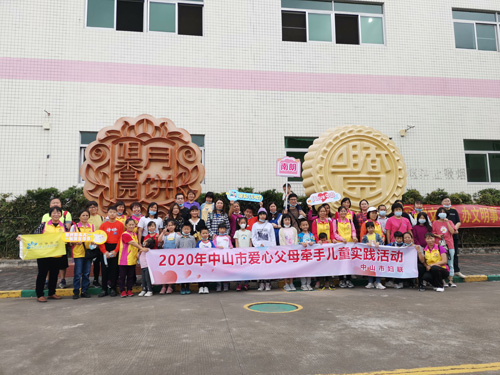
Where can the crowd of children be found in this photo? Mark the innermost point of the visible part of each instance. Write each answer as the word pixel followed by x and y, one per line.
pixel 189 225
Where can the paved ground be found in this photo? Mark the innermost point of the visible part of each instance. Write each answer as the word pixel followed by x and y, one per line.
pixel 341 331
pixel 24 277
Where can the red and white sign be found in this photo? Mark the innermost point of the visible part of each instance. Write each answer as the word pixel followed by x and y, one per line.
pixel 288 167
pixel 170 266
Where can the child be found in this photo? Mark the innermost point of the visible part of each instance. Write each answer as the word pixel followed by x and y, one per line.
pixel 398 242
pixel 222 241
pixel 185 241
pixel 305 238
pixel 96 220
pixel 373 217
pixel 263 236
pixel 196 223
pixel 243 238
pixel 288 236
pixel 147 287
pixel 152 234
pixel 109 250
pixel 167 239
pixel 204 243
pixel 127 257
pixel 208 206
pixel 374 239
pixel 151 215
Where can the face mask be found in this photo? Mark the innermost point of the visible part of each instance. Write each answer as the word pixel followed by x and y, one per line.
pixel 243 226
pixel 422 221
pixel 222 234
pixel 151 232
pixel 382 213
pixel 204 238
pixel 287 225
pixel 447 205
pixel 442 215
pixel 152 213
pixel 181 205
pixel 398 213
pixel 262 220
pixel 185 234
pixel 293 205
pixel 399 243
pixel 418 209
pixel 273 212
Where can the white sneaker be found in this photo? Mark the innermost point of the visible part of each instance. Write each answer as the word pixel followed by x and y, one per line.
pixel 369 286
pixel 142 293
pixel 304 287
pixel 460 274
pixel 201 290
pixel 205 290
pixel 268 286
pixel 292 287
pixel 439 289
pixel 261 287
pixel 452 285
pixel 379 286
pixel 389 284
pixel 398 286
pixel 309 287
pixel 149 294
pixel 287 287
pixel 349 284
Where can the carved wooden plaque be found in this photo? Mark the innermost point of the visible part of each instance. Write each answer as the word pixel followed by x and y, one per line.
pixel 141 159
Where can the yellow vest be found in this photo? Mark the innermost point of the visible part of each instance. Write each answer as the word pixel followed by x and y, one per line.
pixel 323 227
pixel 345 230
pixel 79 250
pixel 49 228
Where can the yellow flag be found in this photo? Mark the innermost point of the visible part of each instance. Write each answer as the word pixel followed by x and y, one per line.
pixel 34 246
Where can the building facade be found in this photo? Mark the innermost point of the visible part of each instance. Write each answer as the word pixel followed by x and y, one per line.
pixel 252 80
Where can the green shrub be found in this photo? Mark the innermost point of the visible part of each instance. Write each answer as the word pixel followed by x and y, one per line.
pixel 461 198
pixel 435 197
pixel 488 197
pixel 411 196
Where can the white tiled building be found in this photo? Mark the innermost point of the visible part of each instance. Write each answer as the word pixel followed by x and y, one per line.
pixel 264 78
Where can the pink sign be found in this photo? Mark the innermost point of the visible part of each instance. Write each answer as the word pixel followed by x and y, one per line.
pixel 169 266
pixel 288 167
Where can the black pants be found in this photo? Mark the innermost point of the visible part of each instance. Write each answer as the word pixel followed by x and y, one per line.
pixel 97 267
pixel 456 243
pixel 109 272
pixel 50 266
pixel 435 276
pixel 127 274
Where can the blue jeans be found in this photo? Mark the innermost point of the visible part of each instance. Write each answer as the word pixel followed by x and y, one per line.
pixel 81 276
pixel 370 279
pixel 450 261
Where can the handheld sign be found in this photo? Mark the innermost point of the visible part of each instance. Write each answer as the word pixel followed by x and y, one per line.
pixel 98 237
pixel 323 197
pixel 235 195
pixel 288 167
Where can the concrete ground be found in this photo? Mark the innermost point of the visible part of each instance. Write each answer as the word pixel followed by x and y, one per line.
pixel 340 331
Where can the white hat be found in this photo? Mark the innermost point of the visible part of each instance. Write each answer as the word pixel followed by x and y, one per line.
pixel 371 209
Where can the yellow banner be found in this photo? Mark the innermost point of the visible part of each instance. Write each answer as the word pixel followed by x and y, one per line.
pixel 34 246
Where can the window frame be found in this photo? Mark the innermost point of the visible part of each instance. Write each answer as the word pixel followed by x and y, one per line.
pixel 147 5
pixel 332 14
pixel 83 147
pixel 475 23
pixel 486 153
pixel 297 149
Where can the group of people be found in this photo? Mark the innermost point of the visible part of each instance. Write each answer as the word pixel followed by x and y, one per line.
pixel 191 225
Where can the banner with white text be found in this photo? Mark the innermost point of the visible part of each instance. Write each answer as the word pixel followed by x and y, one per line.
pixel 169 266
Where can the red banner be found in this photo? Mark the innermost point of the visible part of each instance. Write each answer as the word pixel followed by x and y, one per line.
pixel 471 215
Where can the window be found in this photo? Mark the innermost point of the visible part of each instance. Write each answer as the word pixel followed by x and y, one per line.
pixel 170 16
pixel 86 138
pixel 482 160
pixel 296 147
pixel 319 20
pixel 476 30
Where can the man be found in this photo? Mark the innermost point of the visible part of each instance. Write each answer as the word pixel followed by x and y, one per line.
pixel 454 217
pixel 67 220
pixel 295 211
pixel 251 220
pixel 114 230
pixel 179 199
pixel 97 221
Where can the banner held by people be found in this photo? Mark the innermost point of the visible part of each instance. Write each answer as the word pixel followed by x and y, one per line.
pixel 168 266
pixel 47 245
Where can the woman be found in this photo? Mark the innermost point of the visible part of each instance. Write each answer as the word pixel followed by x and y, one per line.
pixel 216 217
pixel 433 266
pixel 49 265
pixel 190 200
pixel 421 228
pixel 274 218
pixel 346 202
pixel 82 264
pixel 234 216
pixel 312 214
pixel 444 229
pixel 197 224
pixel 175 214
pixel 372 217
pixel 344 231
pixel 323 224
pixel 151 215
pixel 396 223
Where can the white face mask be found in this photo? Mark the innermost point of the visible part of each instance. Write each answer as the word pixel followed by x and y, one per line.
pixel 243 226
pixel 287 225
